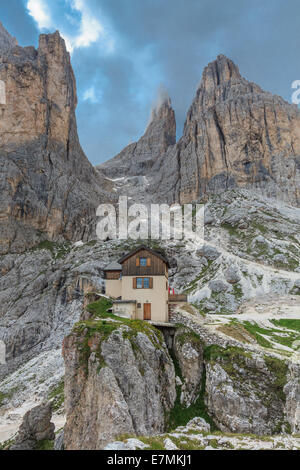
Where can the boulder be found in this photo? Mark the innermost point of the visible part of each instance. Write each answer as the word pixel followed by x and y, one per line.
pixel 208 252
pixel 199 424
pixel 232 275
pixel 218 286
pixel 36 427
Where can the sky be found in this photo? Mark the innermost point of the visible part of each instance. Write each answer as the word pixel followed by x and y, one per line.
pixel 123 51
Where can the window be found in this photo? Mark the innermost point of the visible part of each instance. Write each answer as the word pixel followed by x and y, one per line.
pixel 143 282
pixel 139 305
pixel 143 261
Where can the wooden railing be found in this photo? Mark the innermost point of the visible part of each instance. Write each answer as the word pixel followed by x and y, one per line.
pixel 177 298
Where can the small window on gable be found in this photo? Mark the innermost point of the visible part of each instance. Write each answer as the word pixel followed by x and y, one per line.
pixel 143 261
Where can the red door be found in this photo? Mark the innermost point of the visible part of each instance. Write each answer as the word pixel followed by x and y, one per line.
pixel 147 311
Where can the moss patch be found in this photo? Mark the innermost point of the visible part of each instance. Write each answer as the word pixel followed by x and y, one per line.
pixel 279 370
pixel 57 250
pixel 46 444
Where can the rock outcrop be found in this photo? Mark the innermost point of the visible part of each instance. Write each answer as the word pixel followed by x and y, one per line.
pixel 248 389
pixel 245 392
pixel 119 379
pixel 7 42
pixel 48 187
pixel 36 427
pixel 188 351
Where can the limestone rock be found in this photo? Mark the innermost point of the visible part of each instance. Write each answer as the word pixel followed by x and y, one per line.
pixel 7 42
pixel 189 354
pixel 48 187
pixel 36 427
pixel 169 445
pixel 238 135
pixel 292 391
pixel 126 385
pixel 198 423
pixel 218 286
pixel 242 395
pixel 130 444
pixel 209 252
pixel 232 275
pixel 59 441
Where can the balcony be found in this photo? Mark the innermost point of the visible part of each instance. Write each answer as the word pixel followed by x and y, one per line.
pixel 177 298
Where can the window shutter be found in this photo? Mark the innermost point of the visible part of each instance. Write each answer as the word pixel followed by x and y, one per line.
pixel 137 261
pixel 148 262
pixel 151 282
pixel 134 282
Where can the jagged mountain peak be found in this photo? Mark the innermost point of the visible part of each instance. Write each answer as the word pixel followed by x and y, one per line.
pixel 220 71
pixel 52 42
pixel 162 107
pixel 162 116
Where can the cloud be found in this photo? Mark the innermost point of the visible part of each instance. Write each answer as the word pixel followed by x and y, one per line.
pixel 91 96
pixel 89 30
pixel 39 11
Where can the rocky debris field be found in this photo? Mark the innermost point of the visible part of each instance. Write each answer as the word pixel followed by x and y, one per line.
pixel 196 435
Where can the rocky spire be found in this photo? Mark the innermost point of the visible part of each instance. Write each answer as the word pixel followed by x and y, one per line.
pixel 7 41
pixel 138 158
pixel 162 123
pixel 55 191
pixel 219 72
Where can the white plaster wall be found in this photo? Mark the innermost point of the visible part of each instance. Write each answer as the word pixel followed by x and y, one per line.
pixel 113 288
pixel 157 297
pixel 125 310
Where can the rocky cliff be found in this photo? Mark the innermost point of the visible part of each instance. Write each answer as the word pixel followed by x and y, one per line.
pixel 7 42
pixel 119 379
pixel 48 187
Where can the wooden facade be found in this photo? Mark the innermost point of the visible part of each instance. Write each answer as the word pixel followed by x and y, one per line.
pixel 155 266
pixel 112 274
